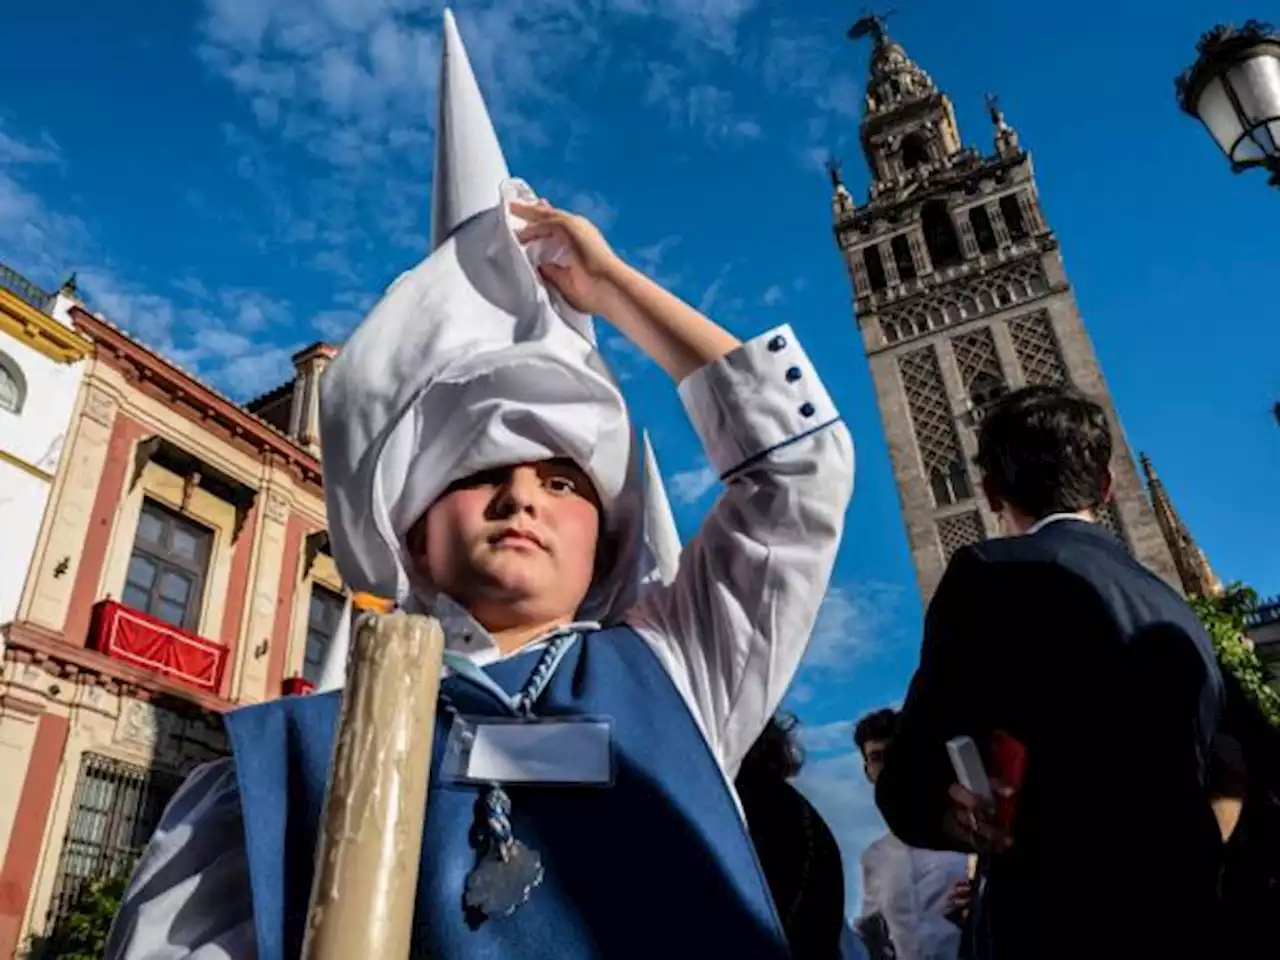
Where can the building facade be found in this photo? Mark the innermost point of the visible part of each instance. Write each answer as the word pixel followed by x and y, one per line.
pixel 181 568
pixel 960 295
pixel 41 360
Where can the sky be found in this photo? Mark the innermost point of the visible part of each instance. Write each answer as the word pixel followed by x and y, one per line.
pixel 235 179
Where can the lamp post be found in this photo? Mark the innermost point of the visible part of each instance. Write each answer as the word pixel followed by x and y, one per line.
pixel 1234 90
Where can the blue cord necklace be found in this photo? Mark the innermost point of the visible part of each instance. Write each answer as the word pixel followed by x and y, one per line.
pixel 507 871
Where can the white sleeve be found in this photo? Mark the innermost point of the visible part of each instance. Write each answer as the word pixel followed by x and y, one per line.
pixel 732 626
pixel 189 896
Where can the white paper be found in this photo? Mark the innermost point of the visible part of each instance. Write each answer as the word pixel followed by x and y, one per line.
pixel 541 752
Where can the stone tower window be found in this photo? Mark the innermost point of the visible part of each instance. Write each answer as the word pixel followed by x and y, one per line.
pixel 979 367
pixel 1037 349
pixel 940 235
pixel 915 151
pixel 950 486
pixel 1011 210
pixel 902 257
pixel 934 424
pixel 875 268
pixel 983 232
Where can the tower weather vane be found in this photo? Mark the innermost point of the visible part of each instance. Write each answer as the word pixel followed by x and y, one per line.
pixel 871 25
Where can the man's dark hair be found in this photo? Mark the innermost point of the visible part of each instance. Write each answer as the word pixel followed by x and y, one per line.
pixel 1045 450
pixel 880 725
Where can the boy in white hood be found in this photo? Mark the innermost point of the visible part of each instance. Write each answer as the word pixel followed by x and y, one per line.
pixel 480 465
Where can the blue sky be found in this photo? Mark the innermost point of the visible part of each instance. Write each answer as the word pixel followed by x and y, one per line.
pixel 238 178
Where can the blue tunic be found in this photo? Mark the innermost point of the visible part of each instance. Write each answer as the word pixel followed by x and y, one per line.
pixel 658 866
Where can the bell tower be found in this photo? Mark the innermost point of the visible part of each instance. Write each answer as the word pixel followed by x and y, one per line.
pixel 960 295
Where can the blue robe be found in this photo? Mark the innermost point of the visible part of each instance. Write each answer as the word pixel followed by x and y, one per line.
pixel 657 866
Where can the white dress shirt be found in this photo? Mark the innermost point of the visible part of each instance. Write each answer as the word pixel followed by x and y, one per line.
pixel 730 630
pixel 909 888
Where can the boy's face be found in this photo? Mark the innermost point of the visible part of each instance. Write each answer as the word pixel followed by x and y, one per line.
pixel 515 545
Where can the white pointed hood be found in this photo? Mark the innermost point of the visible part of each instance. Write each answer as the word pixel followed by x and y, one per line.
pixel 469 162
pixel 661 536
pixel 469 362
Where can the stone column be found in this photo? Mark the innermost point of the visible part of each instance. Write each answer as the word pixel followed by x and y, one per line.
pixel 998 226
pixel 919 252
pixel 858 271
pixel 889 262
pixel 964 229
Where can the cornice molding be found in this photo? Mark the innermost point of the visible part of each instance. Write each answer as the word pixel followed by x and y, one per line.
pixel 40 331
pixel 152 374
pixel 29 643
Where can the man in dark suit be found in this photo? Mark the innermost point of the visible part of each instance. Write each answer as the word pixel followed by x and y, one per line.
pixel 1057 637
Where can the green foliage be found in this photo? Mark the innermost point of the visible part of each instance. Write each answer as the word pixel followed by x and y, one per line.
pixel 1224 618
pixel 82 933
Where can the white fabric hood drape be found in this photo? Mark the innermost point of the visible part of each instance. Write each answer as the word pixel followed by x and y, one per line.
pixel 470 362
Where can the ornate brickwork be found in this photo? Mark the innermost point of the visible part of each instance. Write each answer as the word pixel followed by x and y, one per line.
pixel 1037 349
pixel 960 530
pixel 965 300
pixel 930 413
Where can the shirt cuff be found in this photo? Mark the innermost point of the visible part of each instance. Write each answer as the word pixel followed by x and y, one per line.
pixel 759 397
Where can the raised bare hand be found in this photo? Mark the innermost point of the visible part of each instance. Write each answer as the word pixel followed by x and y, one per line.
pixel 585 276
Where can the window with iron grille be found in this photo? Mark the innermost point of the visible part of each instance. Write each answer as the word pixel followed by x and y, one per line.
pixel 960 530
pixel 115 810
pixel 1037 349
pixel 322 620
pixel 168 567
pixel 934 424
pixel 979 367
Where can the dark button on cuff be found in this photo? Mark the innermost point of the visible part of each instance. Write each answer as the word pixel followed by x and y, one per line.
pixel 806 410
pixel 777 343
pixel 793 374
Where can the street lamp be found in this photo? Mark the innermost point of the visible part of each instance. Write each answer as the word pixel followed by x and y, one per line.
pixel 1234 90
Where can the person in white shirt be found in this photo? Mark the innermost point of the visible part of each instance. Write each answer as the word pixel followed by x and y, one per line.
pixel 918 895
pixel 481 466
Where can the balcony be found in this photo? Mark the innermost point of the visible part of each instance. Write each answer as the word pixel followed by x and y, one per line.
pixel 144 641
pixel 297 686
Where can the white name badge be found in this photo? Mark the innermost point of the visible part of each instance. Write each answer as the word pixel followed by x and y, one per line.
pixel 553 751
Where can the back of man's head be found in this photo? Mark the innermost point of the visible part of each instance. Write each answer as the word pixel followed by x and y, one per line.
pixel 1045 450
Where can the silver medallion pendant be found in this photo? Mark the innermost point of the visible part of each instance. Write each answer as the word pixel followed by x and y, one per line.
pixel 504 879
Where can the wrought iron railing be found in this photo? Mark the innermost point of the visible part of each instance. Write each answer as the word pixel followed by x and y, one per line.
pixel 1267 611
pixel 115 809
pixel 24 289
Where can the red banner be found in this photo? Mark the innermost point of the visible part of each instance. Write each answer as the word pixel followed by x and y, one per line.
pixel 297 686
pixel 134 637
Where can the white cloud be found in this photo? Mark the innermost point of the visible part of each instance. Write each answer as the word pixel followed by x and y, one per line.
pixel 703 108
pixel 711 294
pixel 772 296
pixel 255 373
pixel 712 24
pixel 594 207
pixel 14 151
pixel 827 737
pixel 852 624
pixel 690 486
